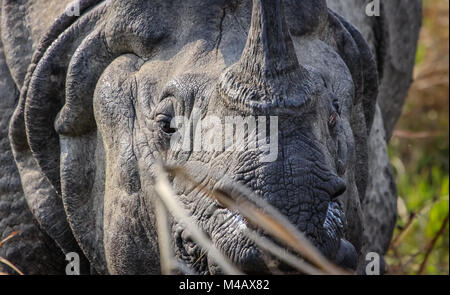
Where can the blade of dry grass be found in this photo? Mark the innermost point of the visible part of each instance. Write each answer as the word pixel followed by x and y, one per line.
pixel 4 261
pixel 12 235
pixel 281 253
pixel 432 244
pixel 170 265
pixel 279 229
pixel 168 197
pixel 408 227
pixel 263 215
pixel 403 233
pixel 166 253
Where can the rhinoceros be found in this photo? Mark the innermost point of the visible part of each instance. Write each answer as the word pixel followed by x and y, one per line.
pixel 90 89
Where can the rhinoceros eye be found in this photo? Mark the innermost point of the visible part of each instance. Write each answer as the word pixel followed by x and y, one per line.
pixel 164 115
pixel 336 112
pixel 163 122
pixel 336 105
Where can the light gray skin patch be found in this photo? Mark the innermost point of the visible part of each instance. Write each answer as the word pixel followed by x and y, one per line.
pixel 87 129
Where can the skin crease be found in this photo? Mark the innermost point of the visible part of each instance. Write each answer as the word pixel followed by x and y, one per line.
pixel 90 126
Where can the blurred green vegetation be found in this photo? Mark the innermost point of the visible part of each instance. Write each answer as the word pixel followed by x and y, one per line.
pixel 419 152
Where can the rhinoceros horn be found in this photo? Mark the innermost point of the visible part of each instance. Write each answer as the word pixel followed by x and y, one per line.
pixel 268 74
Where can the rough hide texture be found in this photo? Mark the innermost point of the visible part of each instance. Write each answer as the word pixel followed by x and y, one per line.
pixel 98 92
pixel 32 250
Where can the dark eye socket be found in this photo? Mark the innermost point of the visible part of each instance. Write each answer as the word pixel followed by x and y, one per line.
pixel 336 105
pixel 163 122
pixel 165 127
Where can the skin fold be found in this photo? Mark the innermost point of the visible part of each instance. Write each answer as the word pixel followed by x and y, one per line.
pixel 96 96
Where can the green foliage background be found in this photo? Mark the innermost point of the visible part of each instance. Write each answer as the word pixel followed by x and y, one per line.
pixel 419 152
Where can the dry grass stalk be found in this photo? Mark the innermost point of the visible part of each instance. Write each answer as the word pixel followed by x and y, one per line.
pixel 396 242
pixel 263 215
pixel 12 235
pixel 282 254
pixel 432 244
pixel 168 197
pixel 5 261
pixel 167 256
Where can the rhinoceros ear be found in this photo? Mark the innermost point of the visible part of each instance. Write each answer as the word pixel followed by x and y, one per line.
pixel 34 140
pixel 357 55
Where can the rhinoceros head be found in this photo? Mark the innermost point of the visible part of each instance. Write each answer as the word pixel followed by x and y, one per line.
pixel 276 95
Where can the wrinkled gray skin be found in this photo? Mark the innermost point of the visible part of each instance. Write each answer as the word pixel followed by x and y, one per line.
pixel 86 98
